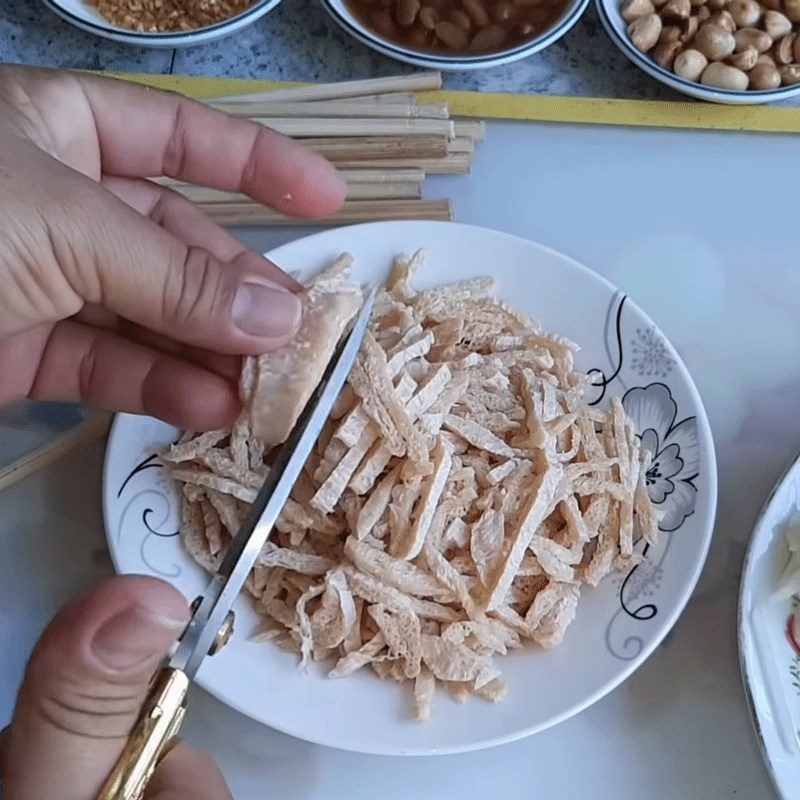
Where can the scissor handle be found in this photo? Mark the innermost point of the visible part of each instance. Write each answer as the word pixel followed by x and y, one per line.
pixel 154 733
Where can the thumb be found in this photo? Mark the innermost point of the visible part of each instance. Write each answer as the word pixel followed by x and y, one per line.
pixel 186 774
pixel 84 686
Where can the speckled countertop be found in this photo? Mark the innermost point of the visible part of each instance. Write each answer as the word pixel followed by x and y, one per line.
pixel 297 41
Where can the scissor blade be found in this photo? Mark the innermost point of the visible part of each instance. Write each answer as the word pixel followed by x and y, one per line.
pixel 248 542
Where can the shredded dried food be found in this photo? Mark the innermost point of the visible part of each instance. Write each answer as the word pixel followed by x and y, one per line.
pixel 162 16
pixel 461 495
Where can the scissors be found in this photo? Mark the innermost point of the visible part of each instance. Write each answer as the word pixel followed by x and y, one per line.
pixel 211 625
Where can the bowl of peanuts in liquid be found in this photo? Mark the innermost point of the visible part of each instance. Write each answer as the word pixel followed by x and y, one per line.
pixel 723 51
pixel 456 34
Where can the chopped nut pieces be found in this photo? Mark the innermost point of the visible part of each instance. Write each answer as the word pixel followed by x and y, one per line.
pixel 160 16
pixel 459 497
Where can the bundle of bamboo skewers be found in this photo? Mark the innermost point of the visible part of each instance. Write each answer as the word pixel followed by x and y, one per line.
pixel 382 140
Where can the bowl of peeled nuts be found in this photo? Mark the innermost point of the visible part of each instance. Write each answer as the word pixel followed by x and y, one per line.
pixel 456 34
pixel 725 51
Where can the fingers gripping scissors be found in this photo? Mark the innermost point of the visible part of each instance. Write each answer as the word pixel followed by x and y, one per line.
pixel 211 624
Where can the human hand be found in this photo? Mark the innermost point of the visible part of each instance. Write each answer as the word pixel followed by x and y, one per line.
pixel 115 291
pixel 82 692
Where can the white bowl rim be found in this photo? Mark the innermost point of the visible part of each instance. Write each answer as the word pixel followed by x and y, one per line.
pixel 748 566
pixel 682 84
pixel 105 28
pixel 545 39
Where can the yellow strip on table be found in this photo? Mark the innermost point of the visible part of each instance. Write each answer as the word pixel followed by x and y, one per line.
pixel 536 108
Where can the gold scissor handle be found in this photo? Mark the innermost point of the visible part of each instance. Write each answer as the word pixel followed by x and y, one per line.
pixel 152 736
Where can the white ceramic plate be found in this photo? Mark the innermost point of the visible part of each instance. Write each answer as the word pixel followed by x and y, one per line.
pixel 349 22
pixel 770 666
pixel 617 29
pixel 617 626
pixel 83 16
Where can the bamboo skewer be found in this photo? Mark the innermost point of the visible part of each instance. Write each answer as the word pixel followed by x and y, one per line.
pixel 459 145
pixel 338 109
pixel 322 127
pixel 470 129
pixel 379 148
pixel 401 190
pixel 385 175
pixel 391 98
pixel 420 82
pixel 389 175
pixel 251 214
pixel 450 164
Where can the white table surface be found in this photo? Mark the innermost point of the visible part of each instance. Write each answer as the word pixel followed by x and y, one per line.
pixel 699 228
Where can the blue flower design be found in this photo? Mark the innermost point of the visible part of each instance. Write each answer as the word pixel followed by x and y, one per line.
pixel 675 449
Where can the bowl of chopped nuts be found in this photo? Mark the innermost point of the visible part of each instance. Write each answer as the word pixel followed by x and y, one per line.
pixel 724 51
pixel 161 23
pixel 456 35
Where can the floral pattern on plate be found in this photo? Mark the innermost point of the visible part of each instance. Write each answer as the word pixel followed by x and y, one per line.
pixel 672 476
pixel 675 449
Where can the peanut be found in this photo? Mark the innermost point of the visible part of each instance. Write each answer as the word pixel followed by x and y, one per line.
pixel 690 64
pixel 784 49
pixel 792 9
pixel 776 24
pixel 633 9
pixel 644 32
pixel 428 17
pixel 723 76
pixel 714 42
pixel 689 29
pixel 745 13
pixel 664 54
pixel 460 18
pixel 405 12
pixel 764 76
pixel 724 20
pixel 745 38
pixel 790 74
pixel 745 60
pixel 676 10
pixel 451 35
pixel 477 12
pixel 669 34
pixel 383 23
pixel 501 11
pixel 488 38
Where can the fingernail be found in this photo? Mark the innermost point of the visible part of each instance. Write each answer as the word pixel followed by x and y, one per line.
pixel 338 183
pixel 261 310
pixel 136 636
